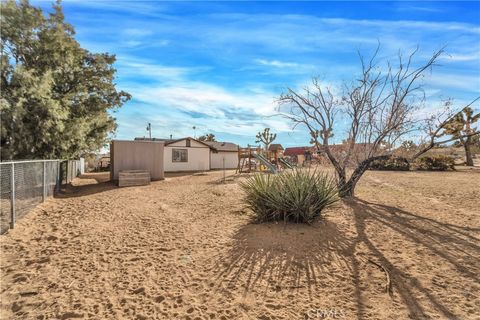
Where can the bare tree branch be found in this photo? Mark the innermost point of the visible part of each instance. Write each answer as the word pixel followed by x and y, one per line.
pixel 378 106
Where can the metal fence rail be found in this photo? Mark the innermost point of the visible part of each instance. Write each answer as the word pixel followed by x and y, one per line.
pixel 25 184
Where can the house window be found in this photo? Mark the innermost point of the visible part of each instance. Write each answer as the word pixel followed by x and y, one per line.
pixel 188 143
pixel 179 155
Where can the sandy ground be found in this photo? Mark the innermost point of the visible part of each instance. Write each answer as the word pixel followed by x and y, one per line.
pixel 184 248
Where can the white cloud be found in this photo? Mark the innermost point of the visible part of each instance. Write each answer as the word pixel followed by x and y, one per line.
pixel 277 63
pixel 207 99
pixel 467 56
pixel 133 66
pixel 405 24
pixel 470 83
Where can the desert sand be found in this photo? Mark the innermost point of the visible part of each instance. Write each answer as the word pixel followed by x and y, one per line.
pixel 185 248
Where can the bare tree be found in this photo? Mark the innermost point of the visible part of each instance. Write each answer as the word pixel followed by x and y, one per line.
pixel 378 107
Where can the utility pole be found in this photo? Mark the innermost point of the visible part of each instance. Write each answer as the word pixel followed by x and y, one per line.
pixel 194 132
pixel 149 129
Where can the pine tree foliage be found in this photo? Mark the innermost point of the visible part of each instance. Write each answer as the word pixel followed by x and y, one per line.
pixel 57 98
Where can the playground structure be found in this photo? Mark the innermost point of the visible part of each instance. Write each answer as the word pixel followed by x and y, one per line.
pixel 253 159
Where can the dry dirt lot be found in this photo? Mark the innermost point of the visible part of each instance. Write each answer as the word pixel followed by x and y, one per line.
pixel 184 248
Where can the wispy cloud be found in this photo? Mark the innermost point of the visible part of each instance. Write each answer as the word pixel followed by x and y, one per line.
pixel 208 99
pixel 462 57
pixel 130 66
pixel 467 82
pixel 277 63
pixel 409 8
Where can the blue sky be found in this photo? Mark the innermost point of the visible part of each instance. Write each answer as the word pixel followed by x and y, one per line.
pixel 220 66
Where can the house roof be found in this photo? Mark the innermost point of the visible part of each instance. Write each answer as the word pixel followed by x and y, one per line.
pixel 275 147
pixel 169 141
pixel 222 146
pixel 296 151
pixel 154 139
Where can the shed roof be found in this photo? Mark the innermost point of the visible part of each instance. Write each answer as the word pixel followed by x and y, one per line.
pixel 222 146
pixel 275 147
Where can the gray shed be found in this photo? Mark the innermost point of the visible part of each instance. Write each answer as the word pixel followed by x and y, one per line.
pixel 137 155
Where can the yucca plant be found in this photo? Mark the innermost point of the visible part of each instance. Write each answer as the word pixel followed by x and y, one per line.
pixel 298 195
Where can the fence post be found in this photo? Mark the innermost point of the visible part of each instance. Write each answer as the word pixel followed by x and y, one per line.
pixel 44 181
pixel 12 196
pixel 67 171
pixel 223 169
pixel 57 180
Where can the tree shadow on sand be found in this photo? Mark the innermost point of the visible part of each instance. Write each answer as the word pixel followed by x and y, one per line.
pixel 272 257
pixel 449 243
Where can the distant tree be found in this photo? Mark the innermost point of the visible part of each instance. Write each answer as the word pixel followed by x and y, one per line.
pixel 476 140
pixel 459 127
pixel 265 137
pixel 439 124
pixel 406 149
pixel 207 137
pixel 377 106
pixel 55 95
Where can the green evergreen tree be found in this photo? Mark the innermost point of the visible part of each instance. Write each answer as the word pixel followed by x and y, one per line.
pixel 56 97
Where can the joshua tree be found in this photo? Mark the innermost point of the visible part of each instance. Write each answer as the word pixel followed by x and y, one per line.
pixel 207 137
pixel 265 137
pixel 439 124
pixel 460 127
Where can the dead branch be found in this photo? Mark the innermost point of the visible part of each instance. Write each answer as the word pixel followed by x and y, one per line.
pixel 388 286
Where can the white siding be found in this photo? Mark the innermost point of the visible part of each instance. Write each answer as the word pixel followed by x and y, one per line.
pixel 198 158
pixel 231 160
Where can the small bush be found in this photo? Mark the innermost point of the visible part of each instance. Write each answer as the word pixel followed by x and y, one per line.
pixel 295 195
pixel 392 163
pixel 436 163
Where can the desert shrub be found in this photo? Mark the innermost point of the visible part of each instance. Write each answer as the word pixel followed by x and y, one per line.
pixel 392 163
pixel 295 195
pixel 435 162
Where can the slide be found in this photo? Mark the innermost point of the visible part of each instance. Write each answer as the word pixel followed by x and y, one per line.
pixel 266 163
pixel 285 163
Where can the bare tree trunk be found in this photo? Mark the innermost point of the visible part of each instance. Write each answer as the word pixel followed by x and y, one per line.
pixel 347 189
pixel 341 180
pixel 468 152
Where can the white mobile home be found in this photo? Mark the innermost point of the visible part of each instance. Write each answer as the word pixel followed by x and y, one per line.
pixel 223 153
pixel 188 154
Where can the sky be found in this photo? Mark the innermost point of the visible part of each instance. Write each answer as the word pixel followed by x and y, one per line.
pixel 221 66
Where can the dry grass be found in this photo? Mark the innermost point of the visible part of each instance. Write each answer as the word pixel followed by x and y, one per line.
pixel 184 249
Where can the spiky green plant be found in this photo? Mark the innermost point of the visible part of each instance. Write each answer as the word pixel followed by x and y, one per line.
pixel 295 195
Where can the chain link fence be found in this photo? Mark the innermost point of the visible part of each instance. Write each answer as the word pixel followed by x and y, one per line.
pixel 25 184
